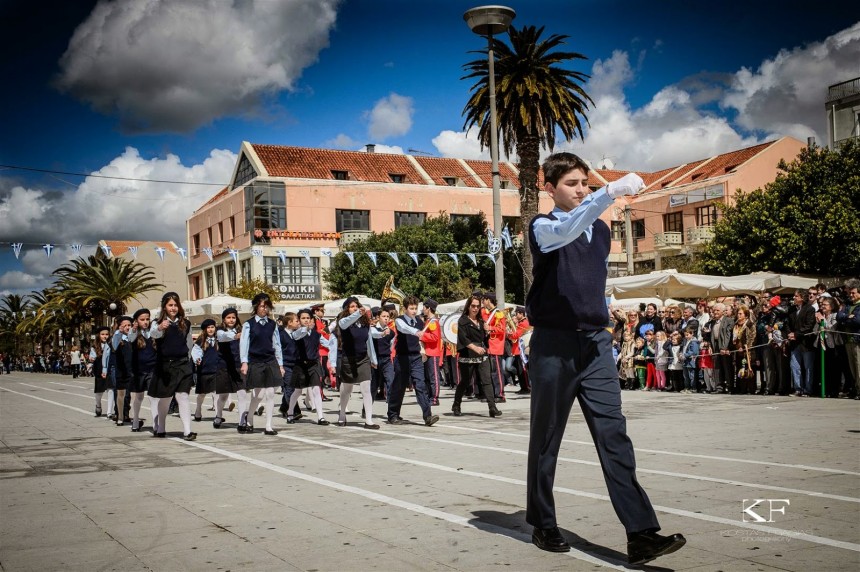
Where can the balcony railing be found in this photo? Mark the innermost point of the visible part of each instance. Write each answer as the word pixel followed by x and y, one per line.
pixel 844 89
pixel 347 237
pixel 668 240
pixel 700 234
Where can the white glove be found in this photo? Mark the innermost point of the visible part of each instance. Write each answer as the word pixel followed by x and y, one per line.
pixel 629 184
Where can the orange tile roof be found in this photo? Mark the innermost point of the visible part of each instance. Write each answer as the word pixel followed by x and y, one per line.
pixel 484 171
pixel 440 167
pixel 119 247
pixel 722 164
pixel 215 197
pixel 308 163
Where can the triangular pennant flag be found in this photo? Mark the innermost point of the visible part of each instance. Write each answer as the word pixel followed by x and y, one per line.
pixel 160 250
pixel 372 257
pixel 182 252
pixel 414 257
pixel 307 255
pixel 455 258
pixel 106 249
pixel 506 237
pixel 16 248
pixel 394 257
pixel 48 248
pixel 258 252
pixel 76 249
pixel 472 258
pixel 434 256
pixel 234 254
pixel 282 254
pixel 326 252
pixel 133 250
pixel 351 257
pixel 208 252
pixel 491 257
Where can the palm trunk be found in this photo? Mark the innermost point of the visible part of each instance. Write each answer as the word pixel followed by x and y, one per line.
pixel 528 149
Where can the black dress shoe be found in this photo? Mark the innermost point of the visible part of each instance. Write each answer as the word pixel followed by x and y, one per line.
pixel 495 412
pixel 267 432
pixel 198 418
pixel 241 428
pixel 249 429
pixel 430 420
pixel 98 412
pixel 371 426
pixel 323 422
pixel 456 411
pixel 550 539
pixel 645 546
pixel 190 437
pixel 216 423
pixel 161 435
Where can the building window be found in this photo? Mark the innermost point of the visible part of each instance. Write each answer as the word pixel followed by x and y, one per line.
pixel 397 178
pixel 232 226
pixel 219 278
pixel 245 267
pixel 221 232
pixel 210 289
pixel 408 219
pixel 514 224
pixel 674 222
pixel 706 216
pixel 450 181
pixel 618 229
pixel 209 231
pixel 504 184
pixel 195 244
pixel 340 175
pixel 231 273
pixel 352 220
pixel 265 206
pixel 244 173
pixel 294 270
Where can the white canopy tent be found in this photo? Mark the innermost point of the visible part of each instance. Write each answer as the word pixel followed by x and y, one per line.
pixel 665 283
pixel 456 307
pixel 332 307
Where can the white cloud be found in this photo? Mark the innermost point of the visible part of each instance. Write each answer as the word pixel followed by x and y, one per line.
pixel 786 94
pixel 379 148
pixel 342 141
pixel 109 209
pixel 17 280
pixel 390 117
pixel 460 144
pixel 175 66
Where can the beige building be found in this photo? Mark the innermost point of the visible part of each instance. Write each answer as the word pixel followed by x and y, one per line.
pixel 843 112
pixel 170 271
pixel 288 209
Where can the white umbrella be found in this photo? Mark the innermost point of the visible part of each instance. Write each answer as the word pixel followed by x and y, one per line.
pixel 214 305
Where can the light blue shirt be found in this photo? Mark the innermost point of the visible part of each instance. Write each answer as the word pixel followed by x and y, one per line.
pixel 554 234
pixel 245 341
pixel 402 325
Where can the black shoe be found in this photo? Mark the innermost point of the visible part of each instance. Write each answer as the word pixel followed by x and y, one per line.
pixel 112 417
pixel 216 423
pixel 495 412
pixel 133 430
pixel 259 411
pixel 524 392
pixel 267 432
pixel 341 423
pixel 369 426
pixel 190 437
pixel 161 435
pixel 550 539
pixel 323 422
pixel 501 399
pixel 430 420
pixel 298 416
pixel 325 398
pixel 456 411
pixel 395 421
pixel 241 428
pixel 290 419
pixel 99 412
pixel 198 418
pixel 644 547
pixel 249 429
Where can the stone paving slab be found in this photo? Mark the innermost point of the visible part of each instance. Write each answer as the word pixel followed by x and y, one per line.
pixel 79 493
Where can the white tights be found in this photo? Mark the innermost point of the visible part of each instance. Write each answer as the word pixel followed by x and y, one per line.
pixel 99 397
pixel 201 397
pixel 111 401
pixel 220 402
pixel 242 399
pixel 267 394
pixel 163 404
pixel 136 402
pixel 367 398
pixel 316 400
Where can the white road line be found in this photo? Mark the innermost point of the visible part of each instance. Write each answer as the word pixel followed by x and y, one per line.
pixel 678 512
pixel 48 401
pixel 731 482
pixel 391 501
pixel 662 452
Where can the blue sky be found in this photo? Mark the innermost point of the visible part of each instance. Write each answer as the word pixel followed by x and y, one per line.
pixel 168 90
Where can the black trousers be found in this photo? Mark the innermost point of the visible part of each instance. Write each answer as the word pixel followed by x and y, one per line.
pixel 725 372
pixel 566 365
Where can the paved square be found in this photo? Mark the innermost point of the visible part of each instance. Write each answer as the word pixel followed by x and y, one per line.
pixel 79 493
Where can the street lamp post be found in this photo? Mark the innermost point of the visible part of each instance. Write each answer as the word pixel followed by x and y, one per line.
pixel 487 21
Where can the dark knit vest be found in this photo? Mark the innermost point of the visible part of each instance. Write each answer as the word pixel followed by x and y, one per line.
pixel 172 344
pixel 289 352
pixel 568 290
pixel 308 347
pixel 124 361
pixel 382 346
pixel 354 341
pixel 212 360
pixel 260 346
pixel 407 344
pixel 144 358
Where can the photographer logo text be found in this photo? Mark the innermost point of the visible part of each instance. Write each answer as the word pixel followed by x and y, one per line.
pixel 753 509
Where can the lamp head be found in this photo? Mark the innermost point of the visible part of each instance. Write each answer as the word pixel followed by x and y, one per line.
pixel 486 20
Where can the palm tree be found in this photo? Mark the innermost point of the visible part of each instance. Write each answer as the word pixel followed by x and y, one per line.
pixel 91 285
pixel 13 310
pixel 535 97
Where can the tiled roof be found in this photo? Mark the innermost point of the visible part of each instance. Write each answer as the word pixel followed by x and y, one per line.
pixel 216 197
pixel 722 164
pixel 439 167
pixel 484 170
pixel 119 247
pixel 309 163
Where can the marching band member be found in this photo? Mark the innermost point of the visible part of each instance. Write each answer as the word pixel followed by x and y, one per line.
pixel 356 347
pixel 174 377
pixel 496 329
pixel 432 340
pixel 522 326
pixel 262 361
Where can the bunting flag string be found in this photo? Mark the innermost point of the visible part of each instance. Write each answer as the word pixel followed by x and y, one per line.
pixel 76 249
pixel 394 257
pixel 491 257
pixel 282 254
pixel 351 257
pixel 307 255
pixel 257 252
pixel 372 256
pixel 160 250
pixel 16 248
pixel 234 254
pixel 208 252
pixel 472 258
pixel 434 256
pixel 326 252
pixel 133 250
pixel 414 257
pixel 182 252
pixel 106 250
pixel 506 238
pixel 455 258
pixel 48 248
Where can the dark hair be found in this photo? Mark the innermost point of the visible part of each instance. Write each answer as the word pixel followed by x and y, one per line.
pixel 558 165
pixel 804 294
pixel 224 315
pixel 410 301
pixel 469 303
pixel 180 316
pixel 288 317
pixel 305 311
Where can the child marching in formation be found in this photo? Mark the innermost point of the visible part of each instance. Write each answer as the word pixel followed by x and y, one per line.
pixel 212 373
pixel 144 359
pixel 100 358
pixel 356 348
pixel 228 336
pixel 262 361
pixel 122 349
pixel 383 342
pixel 289 324
pixel 307 372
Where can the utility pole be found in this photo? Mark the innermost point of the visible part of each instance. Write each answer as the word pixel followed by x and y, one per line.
pixel 628 236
